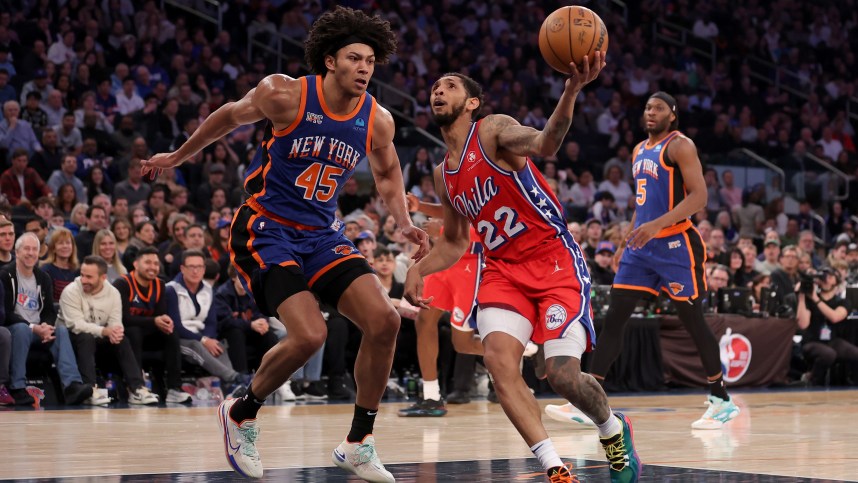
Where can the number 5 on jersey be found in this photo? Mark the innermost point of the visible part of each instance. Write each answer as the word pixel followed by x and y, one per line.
pixel 640 199
pixel 511 227
pixel 319 181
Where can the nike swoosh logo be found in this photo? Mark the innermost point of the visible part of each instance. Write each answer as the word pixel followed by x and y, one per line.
pixel 226 429
pixel 340 455
pixel 371 413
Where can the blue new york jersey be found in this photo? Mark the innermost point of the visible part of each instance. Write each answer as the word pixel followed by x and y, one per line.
pixel 298 172
pixel 658 183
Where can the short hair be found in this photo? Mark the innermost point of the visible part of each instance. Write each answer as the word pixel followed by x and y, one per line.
pixel 212 269
pixel 341 26
pixel 383 251
pixel 93 208
pixel 43 200
pixel 4 223
pixel 192 253
pixel 472 88
pixel 97 261
pixel 146 251
pixel 43 223
pixel 20 241
pixel 116 199
pixel 20 152
pixel 68 114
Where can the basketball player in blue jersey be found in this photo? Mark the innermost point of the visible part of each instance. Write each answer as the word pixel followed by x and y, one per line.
pixel 286 241
pixel 665 252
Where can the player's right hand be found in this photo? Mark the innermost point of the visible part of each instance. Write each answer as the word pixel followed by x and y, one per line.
pixel 413 203
pixel 154 165
pixel 418 237
pixel 414 289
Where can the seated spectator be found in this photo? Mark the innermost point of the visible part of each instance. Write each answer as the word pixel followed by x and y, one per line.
pixel 7 241
pixel 616 186
pixel 592 237
pixel 601 271
pixel 97 184
pixel 66 175
pixel 31 318
pixel 145 234
pixel 718 277
pixel 50 158
pixel 195 239
pixel 196 318
pixel 605 208
pixel 39 227
pixel 77 219
pixel 66 200
pixel 104 246
pixel 70 138
pixel 785 277
pixel 771 254
pixel 133 188
pixel 92 310
pixel 15 133
pixel 365 243
pixel 241 323
pixel 716 250
pixel 61 262
pixel 20 182
pixel 146 321
pixel 96 219
pixel 6 398
pixel 819 309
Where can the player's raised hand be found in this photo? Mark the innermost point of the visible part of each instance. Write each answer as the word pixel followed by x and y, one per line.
pixel 413 202
pixel 418 237
pixel 154 165
pixel 641 235
pixel 586 73
pixel 414 289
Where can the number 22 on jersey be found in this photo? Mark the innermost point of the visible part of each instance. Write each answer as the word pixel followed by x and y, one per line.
pixel 319 181
pixel 511 227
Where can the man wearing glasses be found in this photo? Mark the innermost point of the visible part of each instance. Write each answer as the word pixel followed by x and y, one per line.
pixel 191 301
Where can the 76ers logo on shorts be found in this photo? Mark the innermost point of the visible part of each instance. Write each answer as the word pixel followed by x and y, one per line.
pixel 735 355
pixel 555 316
pixel 344 250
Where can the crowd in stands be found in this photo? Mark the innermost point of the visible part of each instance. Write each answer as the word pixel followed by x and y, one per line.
pixel 96 258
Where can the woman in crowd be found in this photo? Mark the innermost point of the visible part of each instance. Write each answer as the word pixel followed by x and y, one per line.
pixel 77 218
pixel 121 229
pixel 104 245
pixel 66 199
pixel 97 184
pixel 61 262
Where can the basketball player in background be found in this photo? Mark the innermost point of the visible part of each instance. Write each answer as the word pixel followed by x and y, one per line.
pixel 286 242
pixel 454 290
pixel 535 284
pixel 665 252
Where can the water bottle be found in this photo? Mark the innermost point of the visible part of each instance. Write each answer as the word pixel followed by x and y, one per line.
pixel 147 381
pixel 110 386
pixel 216 393
pixel 411 387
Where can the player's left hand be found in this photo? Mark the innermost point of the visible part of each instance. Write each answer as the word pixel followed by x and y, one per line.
pixel 414 289
pixel 641 235
pixel 586 72
pixel 418 237
pixel 157 163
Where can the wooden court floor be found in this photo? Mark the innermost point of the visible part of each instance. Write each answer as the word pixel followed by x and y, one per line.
pixel 792 435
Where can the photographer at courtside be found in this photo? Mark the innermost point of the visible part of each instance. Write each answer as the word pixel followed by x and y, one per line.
pixel 819 308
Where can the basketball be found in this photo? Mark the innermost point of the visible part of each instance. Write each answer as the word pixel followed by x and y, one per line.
pixel 570 33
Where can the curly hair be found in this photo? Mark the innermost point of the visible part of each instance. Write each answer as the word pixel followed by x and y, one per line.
pixel 333 28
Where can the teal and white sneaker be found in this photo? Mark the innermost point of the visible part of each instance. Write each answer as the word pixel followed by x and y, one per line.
pixel 362 460
pixel 718 413
pixel 240 442
pixel 567 413
pixel 623 461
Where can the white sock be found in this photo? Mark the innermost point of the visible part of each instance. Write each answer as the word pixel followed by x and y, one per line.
pixel 432 390
pixel 546 454
pixel 610 427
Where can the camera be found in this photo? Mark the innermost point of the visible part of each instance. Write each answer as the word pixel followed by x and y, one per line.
pixel 808 280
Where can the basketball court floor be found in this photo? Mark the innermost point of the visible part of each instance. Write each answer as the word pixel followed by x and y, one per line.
pixel 806 436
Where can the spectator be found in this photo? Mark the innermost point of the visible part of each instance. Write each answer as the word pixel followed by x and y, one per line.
pixel 39 227
pixel 34 114
pixel 39 83
pixel 6 398
pixel 807 242
pixel 718 277
pixel 104 246
pixel 592 237
pixel 785 278
pixel 69 135
pixel 54 108
pixel 601 271
pixel 7 91
pixel 241 323
pixel 365 243
pixel 7 242
pixel 61 262
pixel 77 219
pixel 716 247
pixel 31 318
pixel 66 175
pixel 749 217
pixel 714 203
pixel 61 52
pixel 129 101
pixel 92 311
pixel 350 200
pixel 146 322
pixel 817 312
pixel 20 182
pixel 50 158
pixel 17 134
pixel 772 253
pixel 615 185
pixel 605 209
pixel 98 185
pixel 197 319
pixel 96 219
pixel 583 192
pixel 66 200
pixel 731 195
pixel 133 189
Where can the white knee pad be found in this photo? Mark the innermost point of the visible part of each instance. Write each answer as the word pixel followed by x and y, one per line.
pixel 572 344
pixel 493 319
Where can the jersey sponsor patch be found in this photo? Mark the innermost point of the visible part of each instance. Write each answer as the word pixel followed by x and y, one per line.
pixel 555 316
pixel 314 118
pixel 674 244
pixel 344 250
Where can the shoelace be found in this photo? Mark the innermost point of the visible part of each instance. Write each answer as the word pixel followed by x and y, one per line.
pixel 364 453
pixel 616 453
pixel 563 475
pixel 249 447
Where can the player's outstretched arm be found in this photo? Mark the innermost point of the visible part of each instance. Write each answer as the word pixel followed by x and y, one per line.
pixel 432 210
pixel 388 179
pixel 271 98
pixel 527 141
pixel 449 248
pixel 684 154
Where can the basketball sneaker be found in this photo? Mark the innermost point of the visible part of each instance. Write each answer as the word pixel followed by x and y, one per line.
pixel 142 396
pixel 567 413
pixel 620 451
pixel 718 413
pixel 562 474
pixel 425 408
pixel 240 442
pixel 100 398
pixel 6 399
pixel 362 460
pixel 177 396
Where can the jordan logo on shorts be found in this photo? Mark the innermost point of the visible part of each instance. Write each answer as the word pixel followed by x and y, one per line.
pixel 556 267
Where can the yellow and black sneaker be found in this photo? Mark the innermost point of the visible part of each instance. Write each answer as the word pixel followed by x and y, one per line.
pixel 620 450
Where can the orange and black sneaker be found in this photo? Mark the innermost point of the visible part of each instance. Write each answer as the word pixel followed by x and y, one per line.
pixel 562 474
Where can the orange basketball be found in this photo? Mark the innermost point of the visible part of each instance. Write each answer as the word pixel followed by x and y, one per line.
pixel 570 33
